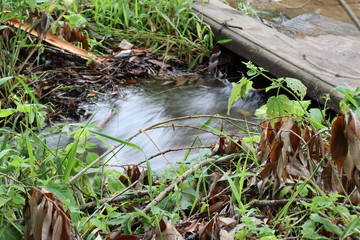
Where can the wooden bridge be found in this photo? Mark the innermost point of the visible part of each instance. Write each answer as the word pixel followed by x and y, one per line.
pixel 321 62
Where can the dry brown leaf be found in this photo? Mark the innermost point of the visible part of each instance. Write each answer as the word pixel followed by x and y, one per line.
pixel 92 93
pixel 295 137
pixel 45 218
pixel 125 45
pixel 127 237
pixel 267 138
pixel 225 235
pixel 206 230
pixel 169 233
pixel 56 41
pixel 352 132
pixel 338 143
pixel 329 181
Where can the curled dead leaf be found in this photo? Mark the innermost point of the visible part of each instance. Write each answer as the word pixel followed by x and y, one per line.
pixel 45 218
pixel 338 143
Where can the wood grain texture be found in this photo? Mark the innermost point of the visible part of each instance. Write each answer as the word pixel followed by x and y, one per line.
pixel 281 55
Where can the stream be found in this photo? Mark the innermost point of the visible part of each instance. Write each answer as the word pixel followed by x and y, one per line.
pixel 154 103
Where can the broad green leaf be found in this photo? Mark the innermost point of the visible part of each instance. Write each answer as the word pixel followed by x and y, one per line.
pixel 18 199
pixel 278 106
pixel 91 156
pixel 9 232
pixel 100 224
pixel 308 231
pixel 6 112
pixel 316 115
pixel 76 19
pixel 32 3
pixel 25 108
pixel 299 107
pixel 297 87
pixel 316 118
pixel 328 225
pixel 238 90
pixel 114 184
pixel 3 201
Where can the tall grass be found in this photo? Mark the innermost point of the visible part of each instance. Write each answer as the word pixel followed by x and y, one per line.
pixel 167 26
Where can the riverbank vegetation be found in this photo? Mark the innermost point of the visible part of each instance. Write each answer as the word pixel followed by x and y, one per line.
pixel 294 174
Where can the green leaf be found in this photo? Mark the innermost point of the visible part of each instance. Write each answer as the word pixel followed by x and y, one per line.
pixel 350 228
pixel 6 112
pixel 117 140
pixel 100 224
pixel 299 107
pixel 285 190
pixel 124 221
pixel 25 108
pixel 308 231
pixel 61 190
pixel 114 184
pixel 76 19
pixel 71 160
pixel 5 79
pixel 296 86
pixel 224 41
pixel 316 115
pixel 328 225
pixel 10 233
pixel 3 201
pixel 278 106
pixel 238 90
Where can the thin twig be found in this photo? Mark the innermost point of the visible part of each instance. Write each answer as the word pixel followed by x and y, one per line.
pixel 174 150
pixel 181 178
pixel 351 13
pixel 281 202
pixel 109 200
pixel 157 147
pixel 102 157
pixel 125 197
pixel 24 184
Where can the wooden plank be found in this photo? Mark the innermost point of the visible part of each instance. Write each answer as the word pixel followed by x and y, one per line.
pixel 279 54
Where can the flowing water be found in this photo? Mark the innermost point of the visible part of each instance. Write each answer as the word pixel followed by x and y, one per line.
pixel 293 8
pixel 154 103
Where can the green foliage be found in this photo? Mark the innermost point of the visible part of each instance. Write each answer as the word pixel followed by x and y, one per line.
pixel 251 227
pixel 351 99
pixel 324 214
pixel 239 90
pixel 279 105
pixel 162 25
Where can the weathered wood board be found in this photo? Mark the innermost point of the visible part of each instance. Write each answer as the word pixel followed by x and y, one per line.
pixel 284 56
